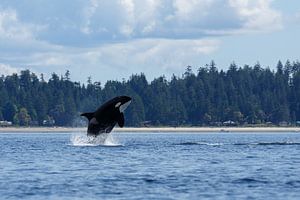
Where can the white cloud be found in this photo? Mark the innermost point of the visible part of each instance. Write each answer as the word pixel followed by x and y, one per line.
pixel 98 22
pixel 11 28
pixel 189 10
pixel 154 57
pixel 257 15
pixel 7 69
pixel 88 12
pixel 110 39
pixel 179 19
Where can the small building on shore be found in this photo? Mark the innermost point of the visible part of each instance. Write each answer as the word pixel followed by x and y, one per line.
pixel 229 123
pixel 283 124
pixel 5 123
pixel 49 122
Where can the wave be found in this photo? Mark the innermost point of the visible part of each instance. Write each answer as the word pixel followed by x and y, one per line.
pixel 269 143
pixel 250 180
pixel 199 143
pixel 279 143
pixel 293 183
pixel 242 144
pixel 100 140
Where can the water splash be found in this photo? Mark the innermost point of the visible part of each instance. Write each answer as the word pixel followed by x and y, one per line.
pixel 101 140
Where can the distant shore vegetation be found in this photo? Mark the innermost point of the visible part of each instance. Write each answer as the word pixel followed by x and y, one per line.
pixel 247 95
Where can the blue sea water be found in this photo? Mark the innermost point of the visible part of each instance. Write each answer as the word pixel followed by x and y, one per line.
pixel 151 166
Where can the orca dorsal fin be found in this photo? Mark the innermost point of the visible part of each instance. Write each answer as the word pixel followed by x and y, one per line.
pixel 121 120
pixel 88 115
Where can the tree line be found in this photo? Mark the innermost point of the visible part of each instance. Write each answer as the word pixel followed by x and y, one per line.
pixel 242 95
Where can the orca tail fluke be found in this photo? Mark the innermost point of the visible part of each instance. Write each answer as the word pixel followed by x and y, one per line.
pixel 88 115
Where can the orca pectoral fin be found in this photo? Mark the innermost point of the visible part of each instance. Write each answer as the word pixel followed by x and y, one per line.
pixel 121 120
pixel 88 115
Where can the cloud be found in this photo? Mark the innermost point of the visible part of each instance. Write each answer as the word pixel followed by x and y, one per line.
pixel 178 19
pixel 18 36
pixel 7 69
pixel 11 28
pixel 154 57
pixel 96 22
pixel 113 39
pixel 257 15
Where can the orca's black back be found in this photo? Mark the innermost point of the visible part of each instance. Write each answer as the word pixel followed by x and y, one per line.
pixel 106 116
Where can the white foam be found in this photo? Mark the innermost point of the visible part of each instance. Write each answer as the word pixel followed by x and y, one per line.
pixel 212 144
pixel 101 140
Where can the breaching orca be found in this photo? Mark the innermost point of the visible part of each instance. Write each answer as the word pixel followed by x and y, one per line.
pixel 107 116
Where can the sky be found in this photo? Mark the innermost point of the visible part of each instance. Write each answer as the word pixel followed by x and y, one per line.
pixel 113 39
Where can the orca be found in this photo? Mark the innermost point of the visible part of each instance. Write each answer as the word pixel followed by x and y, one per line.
pixel 104 119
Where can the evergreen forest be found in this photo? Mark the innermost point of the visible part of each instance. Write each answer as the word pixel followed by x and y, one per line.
pixel 206 96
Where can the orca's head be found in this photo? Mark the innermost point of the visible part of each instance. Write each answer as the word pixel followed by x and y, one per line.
pixel 122 102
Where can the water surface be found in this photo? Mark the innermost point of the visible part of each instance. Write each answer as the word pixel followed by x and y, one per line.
pixel 151 166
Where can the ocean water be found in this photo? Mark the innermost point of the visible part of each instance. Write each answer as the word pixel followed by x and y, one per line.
pixel 150 166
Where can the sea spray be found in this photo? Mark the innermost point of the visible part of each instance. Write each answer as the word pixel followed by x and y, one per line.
pixel 105 139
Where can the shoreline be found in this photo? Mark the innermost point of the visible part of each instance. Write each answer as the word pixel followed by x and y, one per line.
pixel 152 129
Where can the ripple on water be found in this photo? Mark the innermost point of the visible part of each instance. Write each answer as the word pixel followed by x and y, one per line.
pixel 150 166
pixel 250 180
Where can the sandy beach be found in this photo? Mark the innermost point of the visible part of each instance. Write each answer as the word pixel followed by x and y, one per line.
pixel 151 129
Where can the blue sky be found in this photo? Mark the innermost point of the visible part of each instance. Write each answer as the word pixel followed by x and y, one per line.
pixel 110 40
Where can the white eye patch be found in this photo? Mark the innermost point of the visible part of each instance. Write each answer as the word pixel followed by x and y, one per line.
pixel 124 106
pixel 118 104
